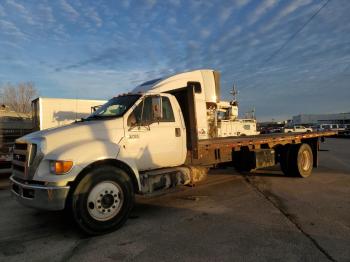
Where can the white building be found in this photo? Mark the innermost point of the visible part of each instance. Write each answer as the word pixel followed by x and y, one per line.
pixel 340 118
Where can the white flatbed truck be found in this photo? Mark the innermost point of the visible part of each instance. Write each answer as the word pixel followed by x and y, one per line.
pixel 158 137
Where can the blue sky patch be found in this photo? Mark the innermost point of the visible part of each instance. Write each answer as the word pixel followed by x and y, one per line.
pixel 283 57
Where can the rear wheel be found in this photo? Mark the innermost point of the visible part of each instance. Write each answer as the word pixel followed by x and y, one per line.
pixel 304 161
pixel 297 160
pixel 242 161
pixel 102 200
pixel 284 156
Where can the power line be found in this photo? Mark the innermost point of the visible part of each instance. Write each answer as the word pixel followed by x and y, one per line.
pixel 295 33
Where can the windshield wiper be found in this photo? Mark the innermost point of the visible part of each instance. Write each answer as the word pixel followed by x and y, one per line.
pixel 95 117
pixel 92 117
pixel 98 117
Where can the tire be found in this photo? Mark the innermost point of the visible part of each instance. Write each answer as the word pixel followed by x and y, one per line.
pixel 102 200
pixel 284 156
pixel 242 160
pixel 298 161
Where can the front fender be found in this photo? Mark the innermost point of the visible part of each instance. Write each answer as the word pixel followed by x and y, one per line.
pixel 86 152
pixel 81 153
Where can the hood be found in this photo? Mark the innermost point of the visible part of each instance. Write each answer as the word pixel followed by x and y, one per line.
pixel 110 130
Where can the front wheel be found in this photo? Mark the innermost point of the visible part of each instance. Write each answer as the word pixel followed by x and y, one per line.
pixel 102 200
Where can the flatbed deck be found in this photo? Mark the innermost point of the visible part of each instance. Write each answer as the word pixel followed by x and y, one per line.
pixel 217 150
pixel 264 139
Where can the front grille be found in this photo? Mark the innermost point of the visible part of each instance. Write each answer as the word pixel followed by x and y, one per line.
pixel 26 158
pixel 21 146
pixel 5 164
pixel 32 155
pixel 20 158
pixel 18 168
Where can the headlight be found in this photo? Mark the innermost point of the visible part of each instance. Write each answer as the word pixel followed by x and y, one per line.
pixel 60 167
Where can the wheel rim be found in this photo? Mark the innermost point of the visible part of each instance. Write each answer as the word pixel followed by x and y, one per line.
pixel 105 200
pixel 305 160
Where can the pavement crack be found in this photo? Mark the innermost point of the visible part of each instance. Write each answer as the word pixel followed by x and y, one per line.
pixel 279 205
pixel 80 244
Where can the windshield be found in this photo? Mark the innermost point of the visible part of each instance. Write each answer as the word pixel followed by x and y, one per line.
pixel 115 107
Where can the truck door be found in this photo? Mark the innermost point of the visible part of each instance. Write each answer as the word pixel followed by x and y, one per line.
pixel 154 142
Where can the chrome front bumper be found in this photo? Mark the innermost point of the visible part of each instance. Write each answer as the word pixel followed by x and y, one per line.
pixel 39 196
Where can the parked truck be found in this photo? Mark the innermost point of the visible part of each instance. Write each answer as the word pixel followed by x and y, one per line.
pixel 53 112
pixel 227 122
pixel 297 129
pixel 160 136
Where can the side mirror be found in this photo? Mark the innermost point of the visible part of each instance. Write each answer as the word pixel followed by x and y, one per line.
pixel 157 111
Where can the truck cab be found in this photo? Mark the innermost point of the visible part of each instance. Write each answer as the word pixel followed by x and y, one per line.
pixel 144 137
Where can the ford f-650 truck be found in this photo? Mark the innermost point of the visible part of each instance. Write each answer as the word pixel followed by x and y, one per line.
pixel 164 134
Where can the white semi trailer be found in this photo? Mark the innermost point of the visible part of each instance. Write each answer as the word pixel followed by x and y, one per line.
pixel 159 136
pixel 54 112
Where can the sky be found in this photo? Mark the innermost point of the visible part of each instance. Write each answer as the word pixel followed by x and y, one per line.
pixel 285 57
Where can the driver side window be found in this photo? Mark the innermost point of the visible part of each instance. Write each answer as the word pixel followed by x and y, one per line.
pixel 143 113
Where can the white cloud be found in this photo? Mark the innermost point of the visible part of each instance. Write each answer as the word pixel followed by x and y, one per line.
pixel 18 7
pixel 175 2
pixel 292 7
pixel 285 11
pixel 205 33
pixel 125 3
pixel 193 44
pixel 10 29
pixel 60 33
pixel 2 11
pixel 199 6
pixel 241 3
pixel 84 83
pixel 10 44
pixel 226 13
pixel 255 42
pixel 172 20
pixel 228 36
pixel 69 9
pixel 45 13
pixel 151 3
pixel 93 15
pixel 260 10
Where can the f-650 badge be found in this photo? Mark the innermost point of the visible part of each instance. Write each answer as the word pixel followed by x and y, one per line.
pixel 134 136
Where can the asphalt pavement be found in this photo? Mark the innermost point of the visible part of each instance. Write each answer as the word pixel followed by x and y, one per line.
pixel 261 216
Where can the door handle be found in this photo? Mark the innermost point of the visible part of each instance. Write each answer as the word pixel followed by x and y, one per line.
pixel 177 132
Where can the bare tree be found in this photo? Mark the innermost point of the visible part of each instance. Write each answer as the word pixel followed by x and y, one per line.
pixel 18 97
